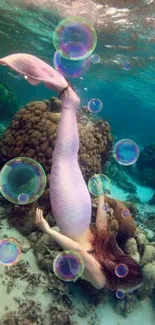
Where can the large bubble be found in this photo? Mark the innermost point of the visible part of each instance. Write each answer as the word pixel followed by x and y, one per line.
pixel 126 152
pixel 68 266
pixel 98 184
pixel 75 38
pixel 10 251
pixel 22 180
pixel 121 270
pixel 95 105
pixel 68 68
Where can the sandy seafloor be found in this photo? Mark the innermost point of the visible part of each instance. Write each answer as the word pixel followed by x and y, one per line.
pixel 143 314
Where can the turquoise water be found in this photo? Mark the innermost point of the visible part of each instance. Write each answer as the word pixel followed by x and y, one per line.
pixel 125 32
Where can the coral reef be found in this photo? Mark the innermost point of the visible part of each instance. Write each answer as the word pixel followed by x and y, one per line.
pixel 127 226
pixel 148 254
pixel 141 238
pixel 8 103
pixel 22 217
pixel 146 165
pixel 124 227
pixel 149 281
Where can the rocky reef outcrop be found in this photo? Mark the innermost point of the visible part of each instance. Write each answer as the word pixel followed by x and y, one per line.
pixel 146 165
pixel 119 176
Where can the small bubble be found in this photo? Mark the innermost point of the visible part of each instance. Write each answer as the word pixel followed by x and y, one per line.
pixel 120 293
pixel 126 65
pixel 95 58
pixel 121 270
pixel 125 213
pixel 95 105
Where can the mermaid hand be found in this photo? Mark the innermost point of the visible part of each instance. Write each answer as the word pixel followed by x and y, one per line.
pixel 40 221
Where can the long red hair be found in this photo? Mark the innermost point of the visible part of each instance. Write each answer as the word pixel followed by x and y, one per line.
pixel 109 255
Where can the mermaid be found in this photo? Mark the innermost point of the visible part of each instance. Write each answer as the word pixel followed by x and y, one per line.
pixel 69 195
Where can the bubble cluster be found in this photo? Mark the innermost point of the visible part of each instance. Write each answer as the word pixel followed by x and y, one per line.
pixel 10 251
pixel 120 293
pixel 95 105
pixel 68 266
pixel 121 270
pixel 126 152
pixel 68 68
pixel 126 65
pixel 98 184
pixel 75 38
pixel 22 180
pixel 125 213
pixel 95 58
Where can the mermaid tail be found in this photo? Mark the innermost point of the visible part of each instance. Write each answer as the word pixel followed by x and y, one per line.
pixel 35 70
pixel 69 196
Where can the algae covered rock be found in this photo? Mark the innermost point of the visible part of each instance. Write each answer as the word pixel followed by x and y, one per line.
pixel 131 249
pixel 148 255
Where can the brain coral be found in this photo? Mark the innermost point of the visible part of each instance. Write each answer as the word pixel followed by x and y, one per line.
pixel 33 132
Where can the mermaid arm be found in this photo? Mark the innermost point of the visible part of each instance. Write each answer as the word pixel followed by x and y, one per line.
pixel 64 241
pixel 101 218
pixel 94 274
